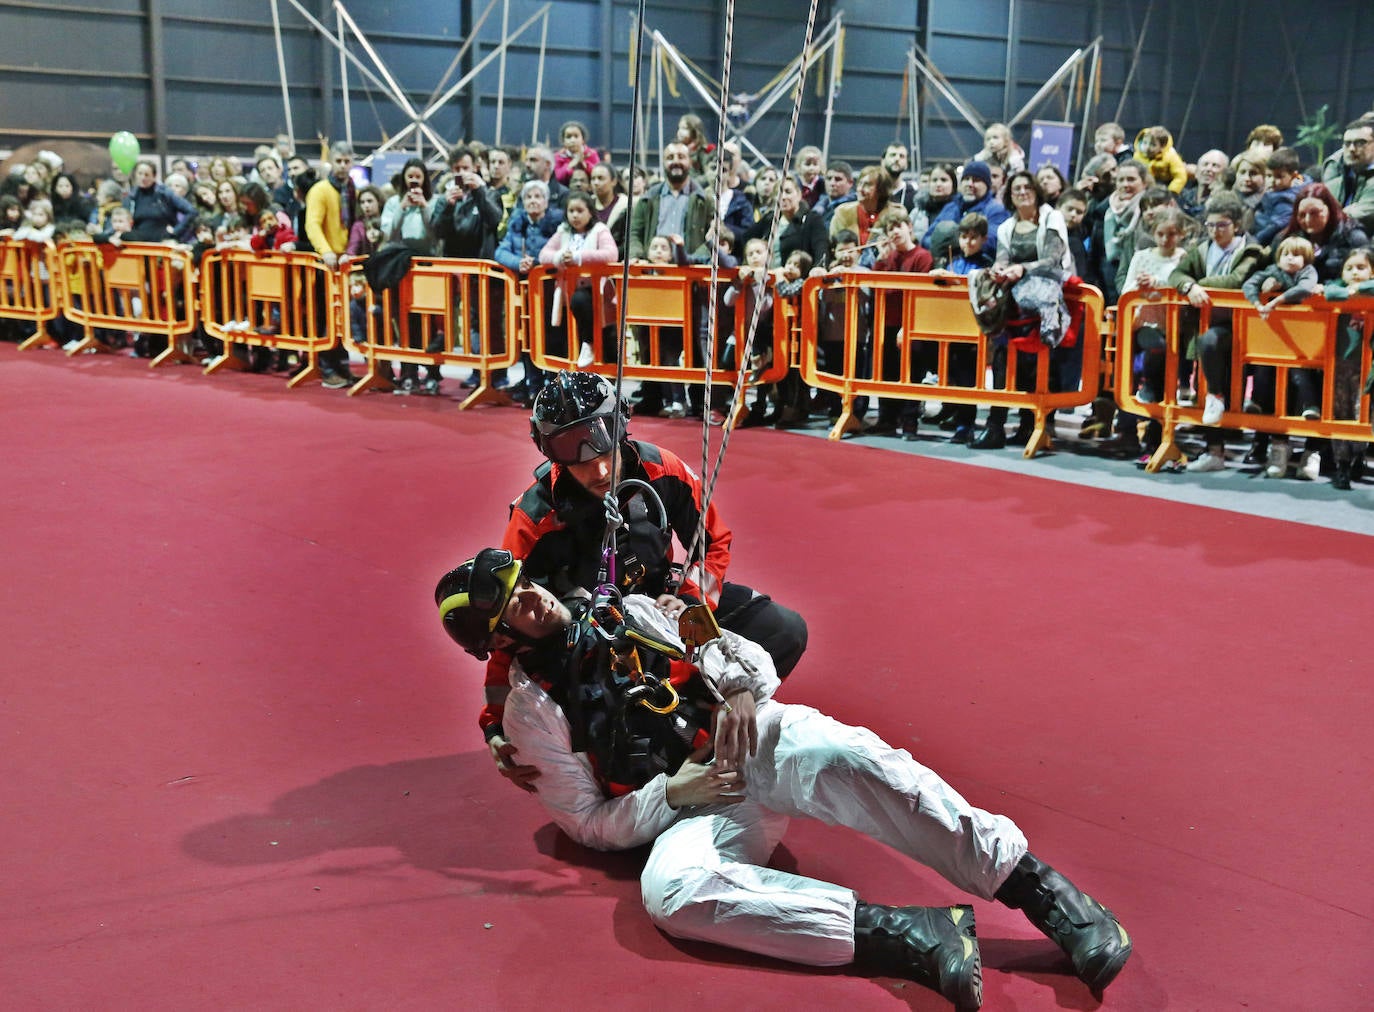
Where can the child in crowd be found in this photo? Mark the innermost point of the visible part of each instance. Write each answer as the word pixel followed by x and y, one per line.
pixel 38 225
pixel 119 227
pixel 1155 147
pixel 1150 268
pixel 1288 281
pixel 846 254
pixel 11 214
pixel 1357 278
pixel 1073 205
pixel 901 253
pixel 273 232
pixel 751 285
pixel 792 275
pixel 1283 180
pixel 973 240
pixel 668 250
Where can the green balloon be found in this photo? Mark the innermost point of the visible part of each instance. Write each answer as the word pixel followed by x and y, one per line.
pixel 124 151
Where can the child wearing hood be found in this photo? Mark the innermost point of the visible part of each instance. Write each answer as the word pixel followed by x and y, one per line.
pixel 1155 147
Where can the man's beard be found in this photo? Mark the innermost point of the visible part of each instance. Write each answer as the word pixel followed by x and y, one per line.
pixel 676 174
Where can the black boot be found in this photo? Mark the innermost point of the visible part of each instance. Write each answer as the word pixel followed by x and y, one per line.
pixel 993 437
pixel 934 946
pixel 1088 932
pixel 1025 427
pixel 1341 480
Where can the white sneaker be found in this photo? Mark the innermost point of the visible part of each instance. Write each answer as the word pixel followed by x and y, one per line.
pixel 1186 398
pixel 585 357
pixel 1311 468
pixel 1212 409
pixel 1278 460
pixel 71 345
pixel 1207 462
pixel 674 410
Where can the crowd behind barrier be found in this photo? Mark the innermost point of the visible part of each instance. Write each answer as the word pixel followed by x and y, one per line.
pixel 988 283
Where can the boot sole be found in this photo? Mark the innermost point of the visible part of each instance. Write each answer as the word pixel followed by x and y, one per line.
pixel 964 986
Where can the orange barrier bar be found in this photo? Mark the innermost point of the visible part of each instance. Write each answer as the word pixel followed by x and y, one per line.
pixel 1293 337
pixel 146 288
pixel 934 308
pixel 444 311
pixel 27 291
pixel 283 301
pixel 662 300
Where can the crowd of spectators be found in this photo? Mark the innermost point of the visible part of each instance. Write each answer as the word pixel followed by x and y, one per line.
pixel 1138 215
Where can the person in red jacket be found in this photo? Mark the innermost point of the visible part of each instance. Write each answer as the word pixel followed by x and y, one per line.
pixel 558 524
pixel 903 253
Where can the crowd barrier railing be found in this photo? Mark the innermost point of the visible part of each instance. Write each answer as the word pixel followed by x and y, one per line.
pixel 27 291
pixel 667 311
pixel 443 311
pixel 282 301
pixel 848 314
pixel 144 288
pixel 1303 336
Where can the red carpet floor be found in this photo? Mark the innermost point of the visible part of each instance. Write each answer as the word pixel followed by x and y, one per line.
pixel 240 765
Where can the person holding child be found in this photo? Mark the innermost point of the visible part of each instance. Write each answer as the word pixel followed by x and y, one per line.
pixel 1357 278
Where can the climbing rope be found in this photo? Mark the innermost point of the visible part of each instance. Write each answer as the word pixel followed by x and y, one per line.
pixel 742 355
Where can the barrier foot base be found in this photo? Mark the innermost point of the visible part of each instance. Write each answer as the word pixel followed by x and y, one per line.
pixel 310 374
pixel 226 360
pixel 845 424
pixel 372 380
pixel 174 352
pixel 1168 451
pixel 90 344
pixel 35 341
pixel 485 394
pixel 1040 440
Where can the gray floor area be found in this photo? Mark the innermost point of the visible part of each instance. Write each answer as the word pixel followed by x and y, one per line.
pixel 1239 488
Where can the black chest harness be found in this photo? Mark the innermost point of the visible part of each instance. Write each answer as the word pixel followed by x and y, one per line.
pixel 614 681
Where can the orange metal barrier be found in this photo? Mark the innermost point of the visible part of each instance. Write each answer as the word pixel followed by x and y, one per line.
pixel 283 301
pixel 661 300
pixel 443 312
pixel 26 289
pixel 1293 337
pixel 934 308
pixel 147 288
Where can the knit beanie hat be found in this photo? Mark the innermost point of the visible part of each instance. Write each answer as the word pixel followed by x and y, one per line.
pixel 979 170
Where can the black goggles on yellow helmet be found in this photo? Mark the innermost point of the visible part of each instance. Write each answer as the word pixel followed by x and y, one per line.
pixel 473 597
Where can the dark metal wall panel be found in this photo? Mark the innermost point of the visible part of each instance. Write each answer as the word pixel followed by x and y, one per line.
pixel 1208 71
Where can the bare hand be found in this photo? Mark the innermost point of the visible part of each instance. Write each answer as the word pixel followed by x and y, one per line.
pixel 696 784
pixel 1197 295
pixel 521 776
pixel 737 730
pixel 670 605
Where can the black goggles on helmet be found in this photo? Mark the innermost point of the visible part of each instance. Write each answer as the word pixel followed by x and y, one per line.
pixel 583 440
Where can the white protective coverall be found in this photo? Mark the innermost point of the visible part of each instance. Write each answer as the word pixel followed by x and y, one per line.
pixel 706 877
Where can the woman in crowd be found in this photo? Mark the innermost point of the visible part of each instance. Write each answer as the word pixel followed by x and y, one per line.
pixel 365 234
pixel 1033 261
pixel 581 239
pixel 531 227
pixel 800 228
pixel 68 202
pixel 406 218
pixel 1119 218
pixel 159 214
pixel 575 152
pixel 1249 185
pixel 226 219
pixel 1319 218
pixel 1052 182
pixel 610 205
pixel 858 216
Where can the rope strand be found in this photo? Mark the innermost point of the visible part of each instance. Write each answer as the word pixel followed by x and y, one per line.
pixel 743 355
